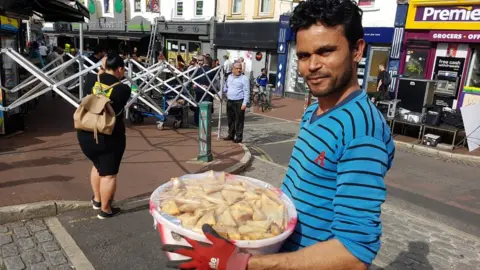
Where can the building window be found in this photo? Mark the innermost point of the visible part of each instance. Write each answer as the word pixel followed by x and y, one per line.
pixel 138 5
pixel 198 7
pixel 237 7
pixel 265 6
pixel 366 3
pixel 106 6
pixel 179 8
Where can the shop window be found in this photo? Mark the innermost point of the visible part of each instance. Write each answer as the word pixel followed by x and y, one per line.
pixel 107 6
pixel 152 5
pixel 415 64
pixel 137 6
pixel 265 6
pixel 237 6
pixel 198 7
pixel 366 3
pixel 473 78
pixel 179 8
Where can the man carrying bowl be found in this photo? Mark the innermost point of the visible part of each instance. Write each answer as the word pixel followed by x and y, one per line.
pixel 343 152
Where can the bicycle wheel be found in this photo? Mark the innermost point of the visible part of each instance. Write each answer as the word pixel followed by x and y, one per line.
pixel 263 102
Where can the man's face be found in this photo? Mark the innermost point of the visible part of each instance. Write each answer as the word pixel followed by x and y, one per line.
pixel 237 69
pixel 200 61
pixel 325 59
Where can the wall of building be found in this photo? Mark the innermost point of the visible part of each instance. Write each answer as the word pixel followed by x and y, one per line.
pixel 380 14
pixel 168 10
pixel 250 11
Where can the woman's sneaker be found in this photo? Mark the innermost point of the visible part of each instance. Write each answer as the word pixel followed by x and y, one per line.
pixel 114 211
pixel 96 205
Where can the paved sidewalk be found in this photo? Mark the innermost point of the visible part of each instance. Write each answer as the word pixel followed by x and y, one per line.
pixel 409 241
pixel 45 162
pixel 30 245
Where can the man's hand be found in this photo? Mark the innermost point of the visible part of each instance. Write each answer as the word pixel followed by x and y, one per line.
pixel 244 107
pixel 221 255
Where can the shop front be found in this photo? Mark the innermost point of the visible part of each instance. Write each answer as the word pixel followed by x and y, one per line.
pixel 9 75
pixel 442 43
pixel 185 38
pixel 377 51
pixel 255 42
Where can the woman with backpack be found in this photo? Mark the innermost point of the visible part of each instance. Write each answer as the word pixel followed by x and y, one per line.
pixel 105 151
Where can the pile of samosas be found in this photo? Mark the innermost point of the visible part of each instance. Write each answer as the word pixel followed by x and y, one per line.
pixel 236 208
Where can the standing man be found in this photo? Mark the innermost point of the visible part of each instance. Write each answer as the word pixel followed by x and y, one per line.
pixel 237 88
pixel 205 65
pixel 383 81
pixel 227 66
pixel 343 151
pixel 98 54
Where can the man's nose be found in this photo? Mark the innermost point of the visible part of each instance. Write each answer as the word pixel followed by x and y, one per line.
pixel 314 63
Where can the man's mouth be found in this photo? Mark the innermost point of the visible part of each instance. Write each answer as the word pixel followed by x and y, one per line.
pixel 316 79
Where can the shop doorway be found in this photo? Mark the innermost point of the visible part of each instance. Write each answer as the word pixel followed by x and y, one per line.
pixel 377 56
pixel 187 49
pixel 416 63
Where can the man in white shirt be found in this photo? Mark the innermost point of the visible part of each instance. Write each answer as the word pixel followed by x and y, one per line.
pixel 227 66
pixel 43 50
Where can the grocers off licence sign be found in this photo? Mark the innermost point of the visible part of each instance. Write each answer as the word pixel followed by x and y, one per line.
pixel 444 15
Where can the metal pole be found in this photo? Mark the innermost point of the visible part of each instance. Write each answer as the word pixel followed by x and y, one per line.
pixel 80 65
pixel 219 131
pixel 205 132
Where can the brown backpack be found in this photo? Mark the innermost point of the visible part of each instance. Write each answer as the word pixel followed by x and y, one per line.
pixel 95 113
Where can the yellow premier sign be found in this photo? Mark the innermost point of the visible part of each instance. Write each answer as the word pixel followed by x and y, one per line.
pixel 444 15
pixel 8 24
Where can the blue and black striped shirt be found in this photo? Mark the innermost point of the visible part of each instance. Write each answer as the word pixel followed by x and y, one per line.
pixel 335 176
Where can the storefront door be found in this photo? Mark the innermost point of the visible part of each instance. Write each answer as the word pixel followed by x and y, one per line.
pixel 377 56
pixel 187 49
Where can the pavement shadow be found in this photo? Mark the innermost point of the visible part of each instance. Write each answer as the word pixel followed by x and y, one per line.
pixel 46 161
pixel 417 252
pixel 53 178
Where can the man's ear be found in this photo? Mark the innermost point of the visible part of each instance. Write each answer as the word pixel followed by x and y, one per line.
pixel 358 50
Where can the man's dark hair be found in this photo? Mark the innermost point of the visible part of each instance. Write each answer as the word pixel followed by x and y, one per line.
pixel 330 13
pixel 98 50
pixel 208 61
pixel 114 61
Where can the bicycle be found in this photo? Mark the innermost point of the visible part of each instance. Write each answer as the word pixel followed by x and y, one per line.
pixel 259 97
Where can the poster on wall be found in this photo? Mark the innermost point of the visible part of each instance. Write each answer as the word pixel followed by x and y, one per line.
pixel 470 99
pixel 449 69
pixel 152 6
pixel 2 122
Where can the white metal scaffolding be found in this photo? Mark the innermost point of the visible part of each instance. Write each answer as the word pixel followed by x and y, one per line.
pixel 142 78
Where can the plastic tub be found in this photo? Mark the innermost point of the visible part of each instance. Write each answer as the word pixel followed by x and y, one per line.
pixel 171 231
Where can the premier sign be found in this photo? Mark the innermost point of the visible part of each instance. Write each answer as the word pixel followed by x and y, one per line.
pixel 443 15
pixel 448 14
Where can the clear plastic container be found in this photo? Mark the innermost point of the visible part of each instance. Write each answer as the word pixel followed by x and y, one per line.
pixel 171 231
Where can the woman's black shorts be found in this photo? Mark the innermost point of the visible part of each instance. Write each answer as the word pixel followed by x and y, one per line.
pixel 107 154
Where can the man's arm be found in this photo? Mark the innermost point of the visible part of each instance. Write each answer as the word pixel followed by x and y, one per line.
pixel 225 87
pixel 356 225
pixel 322 256
pixel 246 91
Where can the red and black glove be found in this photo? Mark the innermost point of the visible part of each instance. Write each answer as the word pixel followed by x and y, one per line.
pixel 221 255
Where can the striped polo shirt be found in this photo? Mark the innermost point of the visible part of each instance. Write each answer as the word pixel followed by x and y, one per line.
pixel 335 176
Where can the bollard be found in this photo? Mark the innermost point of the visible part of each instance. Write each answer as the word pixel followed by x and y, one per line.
pixel 269 94
pixel 308 100
pixel 205 132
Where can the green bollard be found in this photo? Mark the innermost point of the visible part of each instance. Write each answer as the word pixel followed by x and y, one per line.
pixel 205 132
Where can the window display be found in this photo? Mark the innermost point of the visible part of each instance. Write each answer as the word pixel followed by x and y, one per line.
pixel 294 82
pixel 416 62
pixel 473 78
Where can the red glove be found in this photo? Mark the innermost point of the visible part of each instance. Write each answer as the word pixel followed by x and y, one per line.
pixel 222 255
